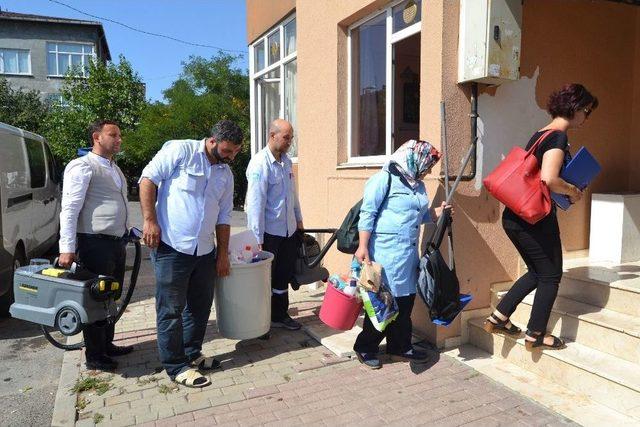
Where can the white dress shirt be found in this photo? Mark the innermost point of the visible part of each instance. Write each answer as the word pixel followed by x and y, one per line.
pixel 272 203
pixel 193 195
pixel 77 175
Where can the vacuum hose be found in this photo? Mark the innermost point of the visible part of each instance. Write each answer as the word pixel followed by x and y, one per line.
pixel 46 331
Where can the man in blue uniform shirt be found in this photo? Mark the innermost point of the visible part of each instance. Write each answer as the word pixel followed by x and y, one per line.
pixel 273 214
pixel 194 202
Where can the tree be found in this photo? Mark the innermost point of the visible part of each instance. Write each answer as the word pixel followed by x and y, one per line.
pixel 110 92
pixel 208 90
pixel 22 109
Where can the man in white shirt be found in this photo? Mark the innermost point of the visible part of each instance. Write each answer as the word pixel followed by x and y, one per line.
pixel 274 216
pixel 93 222
pixel 194 186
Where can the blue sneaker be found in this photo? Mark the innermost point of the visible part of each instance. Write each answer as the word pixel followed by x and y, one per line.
pixel 370 360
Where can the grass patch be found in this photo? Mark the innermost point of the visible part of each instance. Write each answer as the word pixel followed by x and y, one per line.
pixel 97 418
pixel 82 403
pixel 98 384
pixel 166 389
pixel 145 381
pixel 287 377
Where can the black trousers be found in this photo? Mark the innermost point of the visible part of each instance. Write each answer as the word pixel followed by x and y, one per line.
pixel 398 332
pixel 108 257
pixel 284 250
pixel 542 252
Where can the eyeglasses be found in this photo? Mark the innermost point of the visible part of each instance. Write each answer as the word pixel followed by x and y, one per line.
pixel 587 112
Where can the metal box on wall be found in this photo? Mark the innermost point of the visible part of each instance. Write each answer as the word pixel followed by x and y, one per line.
pixel 489 41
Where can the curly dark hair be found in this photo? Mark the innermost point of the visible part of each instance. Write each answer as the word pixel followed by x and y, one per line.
pixel 570 99
pixel 97 127
pixel 226 130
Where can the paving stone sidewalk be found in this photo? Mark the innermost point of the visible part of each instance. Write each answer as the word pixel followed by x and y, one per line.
pixel 291 379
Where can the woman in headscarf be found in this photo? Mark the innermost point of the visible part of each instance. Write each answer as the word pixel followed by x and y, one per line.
pixel 389 229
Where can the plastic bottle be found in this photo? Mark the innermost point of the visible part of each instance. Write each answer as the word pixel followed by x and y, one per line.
pixel 352 286
pixel 247 254
pixel 352 289
pixel 355 269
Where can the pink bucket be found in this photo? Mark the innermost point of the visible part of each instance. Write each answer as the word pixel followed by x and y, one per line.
pixel 339 311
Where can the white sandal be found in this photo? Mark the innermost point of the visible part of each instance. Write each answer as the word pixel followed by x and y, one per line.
pixel 192 378
pixel 205 363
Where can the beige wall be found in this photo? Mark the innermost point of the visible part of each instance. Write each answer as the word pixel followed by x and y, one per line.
pixel 264 14
pixel 634 143
pixel 596 43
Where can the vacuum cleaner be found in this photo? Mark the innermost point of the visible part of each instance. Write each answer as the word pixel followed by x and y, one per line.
pixel 67 299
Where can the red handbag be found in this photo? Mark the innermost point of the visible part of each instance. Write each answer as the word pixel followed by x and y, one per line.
pixel 516 183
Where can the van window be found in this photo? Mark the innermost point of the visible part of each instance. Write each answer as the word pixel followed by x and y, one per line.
pixel 51 162
pixel 36 163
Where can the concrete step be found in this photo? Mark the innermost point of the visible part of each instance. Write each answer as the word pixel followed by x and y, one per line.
pixel 605 379
pixel 576 406
pixel 599 328
pixel 615 287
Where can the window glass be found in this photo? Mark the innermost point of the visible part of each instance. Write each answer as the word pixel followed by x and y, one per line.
pixel 290 71
pixel 51 163
pixel 14 61
pixel 62 56
pixel 259 56
pixel 36 158
pixel 369 92
pixel 273 42
pixel 290 38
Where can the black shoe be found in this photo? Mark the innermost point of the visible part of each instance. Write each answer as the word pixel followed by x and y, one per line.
pixel 412 355
pixel 101 363
pixel 370 360
pixel 114 350
pixel 287 323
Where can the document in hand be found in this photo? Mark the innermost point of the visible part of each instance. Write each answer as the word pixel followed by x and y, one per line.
pixel 580 171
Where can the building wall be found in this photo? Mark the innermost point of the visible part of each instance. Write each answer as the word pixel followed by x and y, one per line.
pixel 264 14
pixel 34 36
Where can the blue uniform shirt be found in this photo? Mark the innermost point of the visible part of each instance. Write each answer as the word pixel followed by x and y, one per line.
pixel 193 195
pixel 272 203
pixel 395 234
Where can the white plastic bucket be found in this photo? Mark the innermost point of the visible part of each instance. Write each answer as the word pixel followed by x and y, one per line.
pixel 243 299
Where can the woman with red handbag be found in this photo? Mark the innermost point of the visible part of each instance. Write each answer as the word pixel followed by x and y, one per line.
pixel 539 244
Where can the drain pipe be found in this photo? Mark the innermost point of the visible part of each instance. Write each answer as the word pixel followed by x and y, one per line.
pixel 474 136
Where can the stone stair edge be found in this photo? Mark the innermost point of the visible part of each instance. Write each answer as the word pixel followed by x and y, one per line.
pixel 610 324
pixel 582 364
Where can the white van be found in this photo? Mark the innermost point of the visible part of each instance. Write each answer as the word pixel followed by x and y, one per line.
pixel 30 197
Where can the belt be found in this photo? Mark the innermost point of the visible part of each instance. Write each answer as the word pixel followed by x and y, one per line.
pixel 101 236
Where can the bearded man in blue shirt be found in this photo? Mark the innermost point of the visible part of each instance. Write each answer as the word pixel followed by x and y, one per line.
pixel 274 216
pixel 194 185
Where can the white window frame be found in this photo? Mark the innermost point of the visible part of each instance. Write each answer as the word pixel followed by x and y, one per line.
pixel 256 107
pixel 16 51
pixel 391 39
pixel 58 52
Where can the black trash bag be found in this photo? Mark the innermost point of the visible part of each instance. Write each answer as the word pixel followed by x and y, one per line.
pixel 347 236
pixel 438 284
pixel 308 251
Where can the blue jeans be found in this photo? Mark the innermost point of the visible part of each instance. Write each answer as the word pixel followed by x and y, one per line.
pixel 184 294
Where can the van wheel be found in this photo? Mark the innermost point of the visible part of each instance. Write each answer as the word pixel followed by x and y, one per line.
pixel 7 299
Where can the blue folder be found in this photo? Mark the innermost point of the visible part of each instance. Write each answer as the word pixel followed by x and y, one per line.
pixel 580 171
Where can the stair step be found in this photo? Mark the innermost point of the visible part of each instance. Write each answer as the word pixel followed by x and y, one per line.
pixel 599 328
pixel 573 405
pixel 615 287
pixel 606 379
